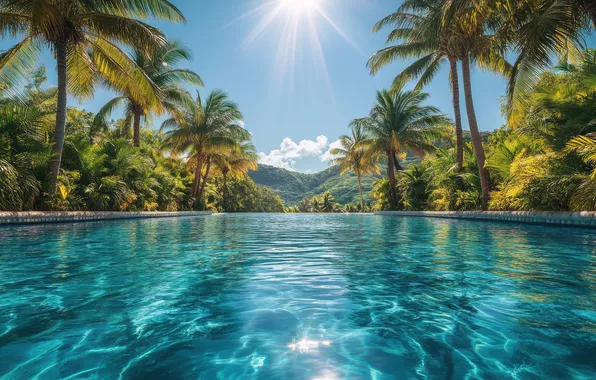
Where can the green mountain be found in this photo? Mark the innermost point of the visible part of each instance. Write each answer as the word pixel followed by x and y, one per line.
pixel 292 187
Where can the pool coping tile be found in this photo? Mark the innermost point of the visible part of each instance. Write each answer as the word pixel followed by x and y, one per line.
pixel 586 219
pixel 36 217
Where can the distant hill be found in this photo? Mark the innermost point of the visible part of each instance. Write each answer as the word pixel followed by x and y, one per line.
pixel 292 187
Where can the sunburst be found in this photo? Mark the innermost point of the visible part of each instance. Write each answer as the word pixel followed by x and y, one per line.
pixel 299 18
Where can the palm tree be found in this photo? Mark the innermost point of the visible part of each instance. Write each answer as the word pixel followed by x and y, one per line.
pixel 235 161
pixel 438 30
pixel 487 52
pixel 304 205
pixel 538 31
pixel 327 202
pixel 316 204
pixel 398 124
pixel 167 93
pixel 84 36
pixel 203 130
pixel 419 23
pixel 351 156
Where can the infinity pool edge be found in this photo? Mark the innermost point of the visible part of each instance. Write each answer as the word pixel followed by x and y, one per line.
pixel 36 217
pixel 586 219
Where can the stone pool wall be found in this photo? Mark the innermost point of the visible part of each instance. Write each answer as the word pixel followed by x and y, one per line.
pixel 576 219
pixel 79 216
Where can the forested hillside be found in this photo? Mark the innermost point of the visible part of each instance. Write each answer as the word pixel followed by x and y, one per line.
pixel 292 187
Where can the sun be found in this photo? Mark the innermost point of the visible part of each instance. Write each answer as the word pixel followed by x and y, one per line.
pixel 297 22
pixel 298 6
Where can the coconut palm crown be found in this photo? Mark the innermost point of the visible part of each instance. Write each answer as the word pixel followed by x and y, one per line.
pixel 352 156
pixel 399 123
pixel 167 92
pixel 86 38
pixel 202 131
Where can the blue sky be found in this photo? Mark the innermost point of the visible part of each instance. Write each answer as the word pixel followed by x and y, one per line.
pixel 295 112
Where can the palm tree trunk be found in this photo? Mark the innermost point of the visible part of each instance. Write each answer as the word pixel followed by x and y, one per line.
pixel 224 173
pixel 591 7
pixel 58 143
pixel 392 182
pixel 197 180
pixel 398 167
pixel 204 184
pixel 137 126
pixel 459 135
pixel 476 138
pixel 360 189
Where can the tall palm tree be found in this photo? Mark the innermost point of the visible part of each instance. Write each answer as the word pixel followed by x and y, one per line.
pixel 487 52
pixel 398 124
pixel 437 30
pixel 419 24
pixel 84 36
pixel 538 31
pixel 167 93
pixel 236 162
pixel 352 156
pixel 203 130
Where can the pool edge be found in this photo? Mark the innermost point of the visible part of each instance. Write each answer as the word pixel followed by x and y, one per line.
pixel 41 217
pixel 586 219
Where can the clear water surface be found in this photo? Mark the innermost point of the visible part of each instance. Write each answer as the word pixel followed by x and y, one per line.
pixel 297 297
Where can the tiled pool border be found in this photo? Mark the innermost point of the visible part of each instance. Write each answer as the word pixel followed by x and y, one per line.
pixel 32 217
pixel 574 219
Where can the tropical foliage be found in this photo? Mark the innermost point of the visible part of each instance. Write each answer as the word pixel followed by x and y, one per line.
pixel 352 155
pixel 293 186
pixel 325 203
pixel 204 132
pixel 86 38
pixel 166 93
pixel 64 158
pixel 541 160
pixel 547 163
pixel 103 170
pixel 398 123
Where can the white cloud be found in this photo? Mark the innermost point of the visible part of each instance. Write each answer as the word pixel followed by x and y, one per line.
pixel 327 156
pixel 285 157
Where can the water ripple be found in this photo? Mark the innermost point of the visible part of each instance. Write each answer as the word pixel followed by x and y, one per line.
pixel 297 297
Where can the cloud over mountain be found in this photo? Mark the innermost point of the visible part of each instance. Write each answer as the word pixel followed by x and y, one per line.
pixel 290 152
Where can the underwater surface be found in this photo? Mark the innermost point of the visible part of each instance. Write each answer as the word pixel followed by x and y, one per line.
pixel 297 297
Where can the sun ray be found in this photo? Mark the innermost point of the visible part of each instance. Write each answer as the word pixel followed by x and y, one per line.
pixel 318 50
pixel 337 28
pixel 249 14
pixel 296 15
pixel 286 53
pixel 263 24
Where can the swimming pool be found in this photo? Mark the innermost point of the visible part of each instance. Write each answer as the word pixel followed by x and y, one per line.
pixel 297 297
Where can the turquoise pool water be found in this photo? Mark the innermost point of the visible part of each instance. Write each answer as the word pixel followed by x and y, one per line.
pixel 297 297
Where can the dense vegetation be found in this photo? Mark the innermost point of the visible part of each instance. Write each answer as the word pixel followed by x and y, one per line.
pixel 53 156
pixel 543 159
pixel 102 169
pixel 324 203
pixel 57 157
pixel 293 187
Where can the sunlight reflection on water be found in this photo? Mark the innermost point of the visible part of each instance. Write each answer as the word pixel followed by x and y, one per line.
pixel 307 346
pixel 297 297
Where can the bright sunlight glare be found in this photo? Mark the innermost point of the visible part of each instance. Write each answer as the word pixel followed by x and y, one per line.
pixel 300 5
pixel 300 20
